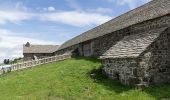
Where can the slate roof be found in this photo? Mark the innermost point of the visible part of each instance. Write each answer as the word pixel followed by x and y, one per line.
pixel 151 10
pixel 40 48
pixel 133 45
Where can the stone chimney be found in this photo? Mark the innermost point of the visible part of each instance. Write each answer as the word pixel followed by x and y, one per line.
pixel 27 44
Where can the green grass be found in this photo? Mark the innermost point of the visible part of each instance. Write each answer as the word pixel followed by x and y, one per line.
pixel 70 80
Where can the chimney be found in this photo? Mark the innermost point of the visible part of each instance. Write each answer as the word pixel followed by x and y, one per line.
pixel 27 44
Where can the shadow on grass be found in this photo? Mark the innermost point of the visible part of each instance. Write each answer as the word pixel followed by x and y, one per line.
pixel 159 92
pixel 91 59
pixel 114 85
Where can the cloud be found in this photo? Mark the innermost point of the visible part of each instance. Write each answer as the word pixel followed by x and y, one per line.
pixel 13 16
pixel 49 9
pixel 4 32
pixel 101 10
pixel 73 4
pixel 104 10
pixel 131 3
pixel 11 46
pixel 20 6
pixel 75 18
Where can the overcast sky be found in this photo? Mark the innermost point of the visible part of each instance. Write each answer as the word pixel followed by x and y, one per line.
pixel 53 21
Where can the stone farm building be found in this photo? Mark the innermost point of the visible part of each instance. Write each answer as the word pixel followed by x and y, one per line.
pixel 134 47
pixel 31 52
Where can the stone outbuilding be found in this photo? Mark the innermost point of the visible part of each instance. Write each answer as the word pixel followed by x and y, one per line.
pixel 142 58
pixel 32 52
pixel 134 47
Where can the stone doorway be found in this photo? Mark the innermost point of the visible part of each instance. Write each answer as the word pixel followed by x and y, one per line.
pixel 117 76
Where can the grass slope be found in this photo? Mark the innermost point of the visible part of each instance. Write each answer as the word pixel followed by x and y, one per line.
pixel 70 80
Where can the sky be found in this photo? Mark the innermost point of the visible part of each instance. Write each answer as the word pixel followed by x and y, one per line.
pixel 53 21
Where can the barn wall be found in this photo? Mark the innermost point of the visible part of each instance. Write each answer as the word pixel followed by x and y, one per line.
pixel 30 56
pixel 27 57
pixel 71 49
pixel 154 63
pixel 124 70
pixel 87 48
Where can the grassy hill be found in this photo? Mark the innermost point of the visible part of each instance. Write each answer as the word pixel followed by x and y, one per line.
pixel 70 80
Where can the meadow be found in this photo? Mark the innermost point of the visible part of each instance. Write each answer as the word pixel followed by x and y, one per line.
pixel 71 80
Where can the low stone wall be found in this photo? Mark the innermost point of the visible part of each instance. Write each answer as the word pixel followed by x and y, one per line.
pixel 30 56
pixel 124 70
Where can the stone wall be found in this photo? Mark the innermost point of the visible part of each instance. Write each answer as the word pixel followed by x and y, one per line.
pixel 154 63
pixel 151 67
pixel 30 56
pixel 124 70
pixel 87 49
pixel 71 49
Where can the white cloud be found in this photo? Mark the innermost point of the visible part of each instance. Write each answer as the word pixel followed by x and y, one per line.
pixel 51 8
pixel 11 46
pixel 75 18
pixel 131 3
pixel 73 4
pixel 101 10
pixel 45 9
pixel 13 16
pixel 104 10
pixel 4 32
pixel 20 6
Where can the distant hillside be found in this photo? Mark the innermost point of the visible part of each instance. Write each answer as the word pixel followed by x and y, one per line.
pixel 72 79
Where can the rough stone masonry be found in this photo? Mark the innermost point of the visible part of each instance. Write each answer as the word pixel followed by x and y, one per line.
pixel 134 47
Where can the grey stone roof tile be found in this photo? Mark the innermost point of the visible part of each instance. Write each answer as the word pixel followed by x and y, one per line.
pixel 132 45
pixel 40 48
